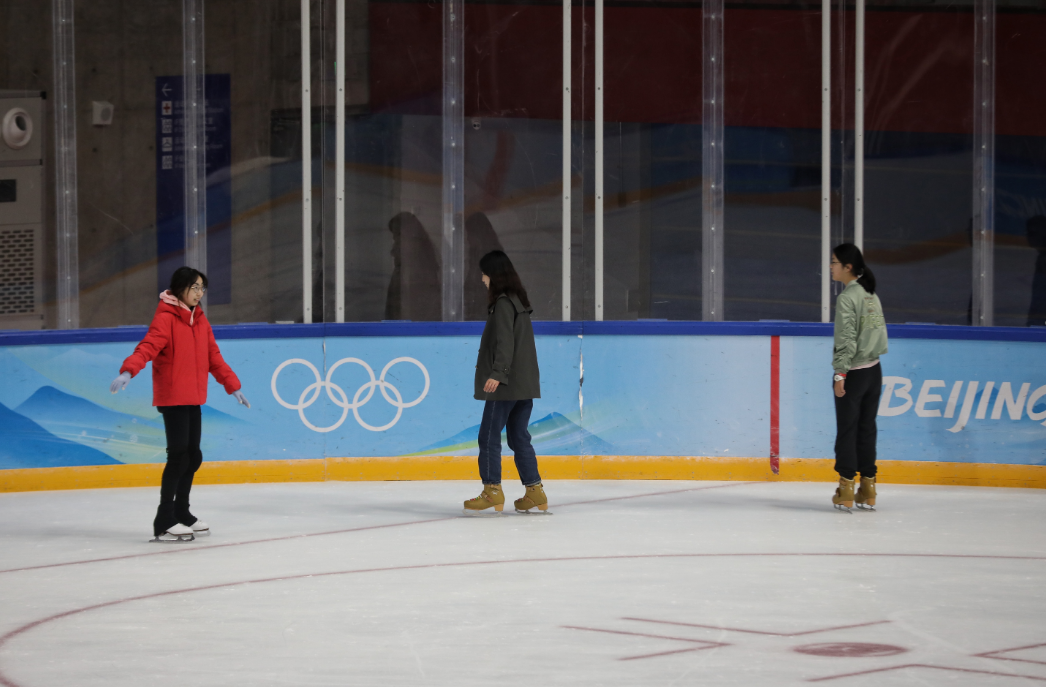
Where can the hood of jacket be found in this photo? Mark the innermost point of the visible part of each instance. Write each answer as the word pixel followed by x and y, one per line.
pixel 175 306
pixel 514 300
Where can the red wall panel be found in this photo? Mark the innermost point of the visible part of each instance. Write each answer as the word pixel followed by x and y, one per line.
pixel 773 68
pixel 1020 76
pixel 919 73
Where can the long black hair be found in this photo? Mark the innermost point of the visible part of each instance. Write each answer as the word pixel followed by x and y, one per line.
pixel 849 254
pixel 183 278
pixel 503 278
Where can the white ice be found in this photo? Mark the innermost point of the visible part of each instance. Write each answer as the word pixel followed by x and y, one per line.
pixel 628 583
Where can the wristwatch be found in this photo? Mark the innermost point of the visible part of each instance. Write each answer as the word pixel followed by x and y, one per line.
pixel 839 378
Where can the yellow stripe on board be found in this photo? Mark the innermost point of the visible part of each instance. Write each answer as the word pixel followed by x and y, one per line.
pixel 552 467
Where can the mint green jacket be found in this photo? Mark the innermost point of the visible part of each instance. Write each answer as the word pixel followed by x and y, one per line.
pixel 860 329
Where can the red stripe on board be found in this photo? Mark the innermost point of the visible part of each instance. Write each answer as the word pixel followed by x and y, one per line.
pixel 775 403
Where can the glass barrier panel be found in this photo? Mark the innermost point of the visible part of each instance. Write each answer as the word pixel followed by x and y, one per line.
pixel 253 91
pixel 1020 168
pixel 772 117
pixel 652 168
pixel 514 149
pixel 393 161
pixel 918 160
pixel 130 161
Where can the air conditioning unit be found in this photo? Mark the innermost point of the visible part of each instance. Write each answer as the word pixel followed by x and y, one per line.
pixel 21 210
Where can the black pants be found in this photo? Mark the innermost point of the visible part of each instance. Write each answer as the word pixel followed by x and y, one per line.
pixel 182 424
pixel 855 422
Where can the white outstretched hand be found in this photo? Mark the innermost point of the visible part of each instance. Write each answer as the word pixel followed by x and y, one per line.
pixel 120 383
pixel 238 395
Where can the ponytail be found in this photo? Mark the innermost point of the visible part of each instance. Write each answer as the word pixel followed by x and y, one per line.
pixel 867 280
pixel 849 254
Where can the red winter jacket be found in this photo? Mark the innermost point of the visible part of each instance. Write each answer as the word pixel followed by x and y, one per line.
pixel 183 350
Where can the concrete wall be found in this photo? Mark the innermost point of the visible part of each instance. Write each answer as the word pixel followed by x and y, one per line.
pixel 121 47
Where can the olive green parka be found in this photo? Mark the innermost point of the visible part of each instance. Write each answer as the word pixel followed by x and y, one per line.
pixel 507 353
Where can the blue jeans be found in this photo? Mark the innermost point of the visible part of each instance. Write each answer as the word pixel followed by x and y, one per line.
pixel 513 416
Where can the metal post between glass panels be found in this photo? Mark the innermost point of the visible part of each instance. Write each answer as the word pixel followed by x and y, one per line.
pixel 453 160
pixel 306 163
pixel 826 158
pixel 599 161
pixel 859 126
pixel 194 115
pixel 68 287
pixel 567 121
pixel 712 161
pixel 339 161
pixel 984 163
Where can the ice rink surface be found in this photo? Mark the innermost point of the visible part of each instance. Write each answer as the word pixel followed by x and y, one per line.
pixel 628 583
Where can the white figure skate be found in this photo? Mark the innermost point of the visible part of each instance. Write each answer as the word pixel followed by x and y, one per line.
pixel 175 533
pixel 200 528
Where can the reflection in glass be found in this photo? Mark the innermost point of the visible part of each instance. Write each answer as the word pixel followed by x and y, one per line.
pixel 480 239
pixel 414 290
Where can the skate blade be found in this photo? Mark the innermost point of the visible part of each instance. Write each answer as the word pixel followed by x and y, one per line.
pixel 173 538
pixel 485 513
pixel 534 511
pixel 843 507
pixel 865 506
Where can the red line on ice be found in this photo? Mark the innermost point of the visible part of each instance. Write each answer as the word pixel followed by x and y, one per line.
pixel 775 404
pixel 758 632
pixel 706 644
pixel 209 547
pixel 926 665
pixel 8 682
pixel 995 654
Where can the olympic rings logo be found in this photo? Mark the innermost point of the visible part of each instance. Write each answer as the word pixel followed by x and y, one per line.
pixel 338 397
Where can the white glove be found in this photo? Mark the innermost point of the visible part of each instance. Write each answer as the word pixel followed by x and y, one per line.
pixel 120 383
pixel 238 395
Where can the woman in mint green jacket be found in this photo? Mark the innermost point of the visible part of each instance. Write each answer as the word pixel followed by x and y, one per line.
pixel 860 338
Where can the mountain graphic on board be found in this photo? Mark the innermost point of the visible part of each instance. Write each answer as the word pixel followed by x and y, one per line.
pixel 25 444
pixel 127 438
pixel 48 404
pixel 213 418
pixel 123 437
pixel 553 434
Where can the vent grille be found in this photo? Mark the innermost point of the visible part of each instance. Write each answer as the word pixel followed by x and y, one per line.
pixel 17 273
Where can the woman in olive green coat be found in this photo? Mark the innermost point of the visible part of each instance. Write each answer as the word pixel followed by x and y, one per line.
pixel 860 338
pixel 508 380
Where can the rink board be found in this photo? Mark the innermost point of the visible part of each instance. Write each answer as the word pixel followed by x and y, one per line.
pixel 619 400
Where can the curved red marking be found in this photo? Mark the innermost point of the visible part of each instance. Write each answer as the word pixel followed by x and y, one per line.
pixel 209 547
pixel 7 682
pixel 850 650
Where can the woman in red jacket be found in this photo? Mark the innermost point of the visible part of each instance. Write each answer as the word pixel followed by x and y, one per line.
pixel 181 346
